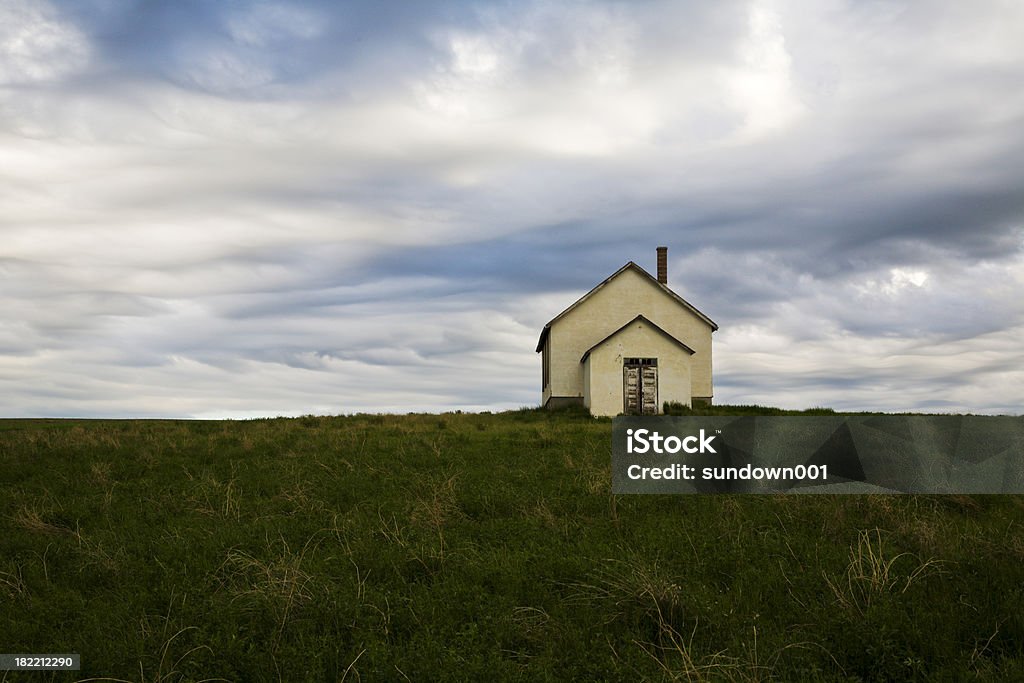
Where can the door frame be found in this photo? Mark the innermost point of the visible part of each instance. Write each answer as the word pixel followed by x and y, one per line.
pixel 638 364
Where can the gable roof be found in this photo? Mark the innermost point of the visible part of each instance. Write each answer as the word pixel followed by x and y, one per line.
pixel 649 323
pixel 680 300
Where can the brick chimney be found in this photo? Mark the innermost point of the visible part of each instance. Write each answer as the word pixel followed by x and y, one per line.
pixel 663 265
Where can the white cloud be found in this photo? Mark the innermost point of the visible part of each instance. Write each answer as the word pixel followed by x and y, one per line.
pixel 35 45
pixel 984 374
pixel 898 280
pixel 762 83
pixel 473 56
pixel 912 340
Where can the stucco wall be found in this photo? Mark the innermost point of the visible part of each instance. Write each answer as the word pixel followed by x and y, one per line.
pixel 603 369
pixel 611 307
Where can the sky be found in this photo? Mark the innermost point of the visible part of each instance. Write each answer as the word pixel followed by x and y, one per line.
pixel 242 209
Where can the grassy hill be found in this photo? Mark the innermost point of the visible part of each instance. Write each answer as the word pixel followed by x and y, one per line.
pixel 454 547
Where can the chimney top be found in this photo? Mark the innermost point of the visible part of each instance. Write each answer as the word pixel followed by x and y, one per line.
pixel 663 265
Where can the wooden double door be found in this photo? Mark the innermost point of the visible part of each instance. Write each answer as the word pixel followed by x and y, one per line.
pixel 640 386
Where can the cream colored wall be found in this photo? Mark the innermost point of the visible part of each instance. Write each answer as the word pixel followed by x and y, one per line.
pixel 611 307
pixel 603 369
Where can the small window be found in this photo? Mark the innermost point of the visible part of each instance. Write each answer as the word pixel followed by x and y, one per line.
pixel 640 361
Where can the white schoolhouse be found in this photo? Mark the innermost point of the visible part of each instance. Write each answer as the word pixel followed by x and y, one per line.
pixel 627 346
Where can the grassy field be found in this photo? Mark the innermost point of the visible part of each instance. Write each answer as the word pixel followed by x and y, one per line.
pixel 459 547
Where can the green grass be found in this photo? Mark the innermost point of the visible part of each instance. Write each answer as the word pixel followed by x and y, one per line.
pixel 458 547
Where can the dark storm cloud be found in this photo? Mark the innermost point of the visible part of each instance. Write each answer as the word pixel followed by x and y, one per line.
pixel 242 48
pixel 292 43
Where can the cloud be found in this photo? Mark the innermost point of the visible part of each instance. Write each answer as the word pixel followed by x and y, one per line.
pixel 290 207
pixel 36 45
